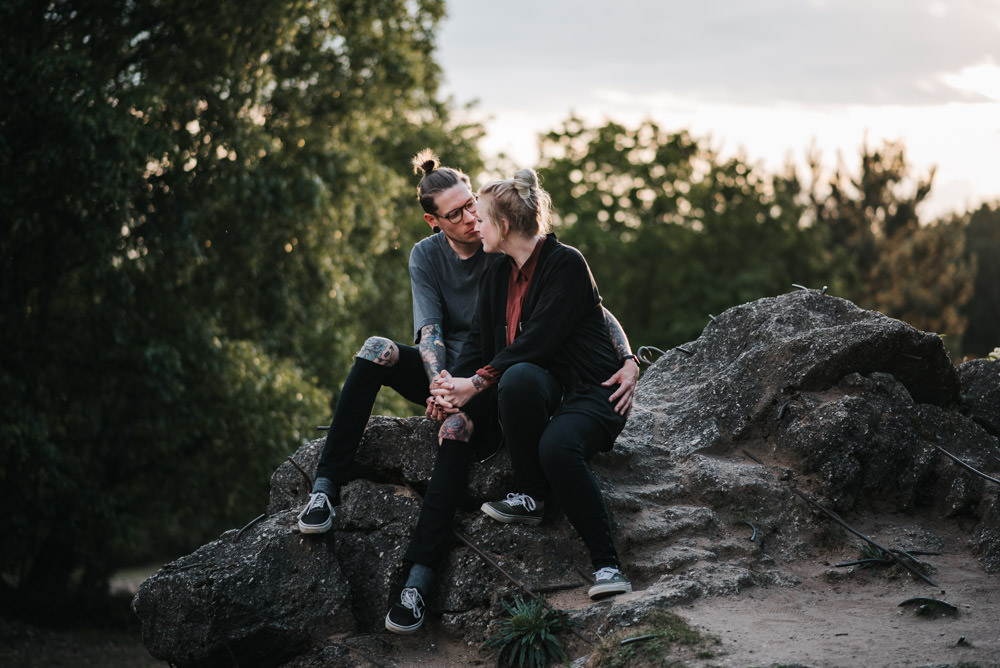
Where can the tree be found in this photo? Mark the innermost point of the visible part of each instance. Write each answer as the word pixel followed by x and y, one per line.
pixel 672 231
pixel 982 246
pixel 880 254
pixel 201 225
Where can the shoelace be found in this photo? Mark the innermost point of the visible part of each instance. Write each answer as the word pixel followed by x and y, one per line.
pixel 606 573
pixel 411 599
pixel 316 500
pixel 520 500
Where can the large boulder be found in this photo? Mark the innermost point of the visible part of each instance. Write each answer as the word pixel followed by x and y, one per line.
pixel 843 406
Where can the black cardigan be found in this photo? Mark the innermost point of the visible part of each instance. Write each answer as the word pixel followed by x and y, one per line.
pixel 563 328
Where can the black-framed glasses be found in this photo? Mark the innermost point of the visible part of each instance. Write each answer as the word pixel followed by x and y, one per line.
pixel 456 216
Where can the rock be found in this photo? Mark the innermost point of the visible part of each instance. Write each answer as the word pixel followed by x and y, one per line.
pixel 256 598
pixel 981 393
pixel 845 406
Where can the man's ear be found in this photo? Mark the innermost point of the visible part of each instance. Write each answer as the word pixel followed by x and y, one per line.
pixel 432 221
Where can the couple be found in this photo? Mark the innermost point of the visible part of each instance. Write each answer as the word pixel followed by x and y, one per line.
pixel 517 317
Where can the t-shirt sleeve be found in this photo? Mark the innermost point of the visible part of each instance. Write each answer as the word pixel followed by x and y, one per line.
pixel 428 305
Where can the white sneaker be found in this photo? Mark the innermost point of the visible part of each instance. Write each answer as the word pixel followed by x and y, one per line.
pixel 609 580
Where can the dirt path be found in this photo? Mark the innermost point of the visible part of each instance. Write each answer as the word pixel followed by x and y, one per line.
pixel 854 619
pixel 835 617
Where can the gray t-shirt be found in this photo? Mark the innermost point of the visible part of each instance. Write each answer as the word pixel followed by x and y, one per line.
pixel 445 290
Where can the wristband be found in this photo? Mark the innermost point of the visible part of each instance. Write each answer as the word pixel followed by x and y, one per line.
pixel 631 357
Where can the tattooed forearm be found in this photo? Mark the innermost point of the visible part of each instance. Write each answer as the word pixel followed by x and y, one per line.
pixel 432 350
pixel 617 335
pixel 479 382
pixel 379 350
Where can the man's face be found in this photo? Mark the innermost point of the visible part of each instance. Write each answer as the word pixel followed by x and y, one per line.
pixel 457 214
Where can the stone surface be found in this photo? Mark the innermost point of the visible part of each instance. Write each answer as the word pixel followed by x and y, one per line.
pixel 981 393
pixel 846 407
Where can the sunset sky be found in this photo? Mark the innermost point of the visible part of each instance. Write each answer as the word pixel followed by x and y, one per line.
pixel 768 78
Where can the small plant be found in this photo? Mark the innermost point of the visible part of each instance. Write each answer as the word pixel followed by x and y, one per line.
pixel 994 356
pixel 663 639
pixel 874 555
pixel 528 638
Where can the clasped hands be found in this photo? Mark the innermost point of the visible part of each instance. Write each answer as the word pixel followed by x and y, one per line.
pixel 448 395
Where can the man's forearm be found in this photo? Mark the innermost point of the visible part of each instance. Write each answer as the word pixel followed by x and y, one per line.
pixel 432 349
pixel 619 341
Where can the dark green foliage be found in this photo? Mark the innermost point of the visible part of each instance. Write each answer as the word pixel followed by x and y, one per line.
pixel 982 246
pixel 201 223
pixel 527 638
pixel 881 255
pixel 673 232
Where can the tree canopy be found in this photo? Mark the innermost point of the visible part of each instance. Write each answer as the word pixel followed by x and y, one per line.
pixel 676 232
pixel 202 216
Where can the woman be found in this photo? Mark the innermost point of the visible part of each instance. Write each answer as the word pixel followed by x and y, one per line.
pixel 542 341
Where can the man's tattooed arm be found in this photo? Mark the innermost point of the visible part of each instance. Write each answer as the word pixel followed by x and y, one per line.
pixel 432 350
pixel 617 335
pixel 626 377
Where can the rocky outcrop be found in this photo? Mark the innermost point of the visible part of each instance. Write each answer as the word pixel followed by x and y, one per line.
pixel 846 406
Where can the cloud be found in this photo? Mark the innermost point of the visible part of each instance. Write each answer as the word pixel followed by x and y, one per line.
pixel 728 51
pixel 769 78
pixel 982 80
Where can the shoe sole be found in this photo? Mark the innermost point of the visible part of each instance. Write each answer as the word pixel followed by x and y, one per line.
pixel 509 519
pixel 402 630
pixel 315 528
pixel 601 590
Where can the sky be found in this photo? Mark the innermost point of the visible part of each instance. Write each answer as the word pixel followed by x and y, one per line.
pixel 765 79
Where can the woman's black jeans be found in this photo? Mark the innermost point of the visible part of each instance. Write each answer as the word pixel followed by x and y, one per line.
pixel 550 446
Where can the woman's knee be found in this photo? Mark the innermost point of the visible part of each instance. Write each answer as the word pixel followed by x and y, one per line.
pixel 522 374
pixel 555 454
pixel 379 350
pixel 456 427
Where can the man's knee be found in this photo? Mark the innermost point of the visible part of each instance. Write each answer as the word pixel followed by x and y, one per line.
pixel 379 350
pixel 456 427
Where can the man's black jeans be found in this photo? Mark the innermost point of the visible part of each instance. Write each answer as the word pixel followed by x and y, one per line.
pixel 354 407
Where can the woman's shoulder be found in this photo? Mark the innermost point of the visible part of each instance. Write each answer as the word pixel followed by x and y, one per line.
pixel 560 252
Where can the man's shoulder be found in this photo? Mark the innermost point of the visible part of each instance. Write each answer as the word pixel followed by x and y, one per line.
pixel 428 244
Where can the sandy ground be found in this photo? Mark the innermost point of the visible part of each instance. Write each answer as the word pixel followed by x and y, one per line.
pixel 835 617
pixel 854 619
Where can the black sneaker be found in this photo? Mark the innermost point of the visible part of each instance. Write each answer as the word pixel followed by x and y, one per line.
pixel 317 516
pixel 408 615
pixel 515 509
pixel 609 580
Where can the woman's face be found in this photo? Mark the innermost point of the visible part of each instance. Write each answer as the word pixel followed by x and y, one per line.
pixel 487 227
